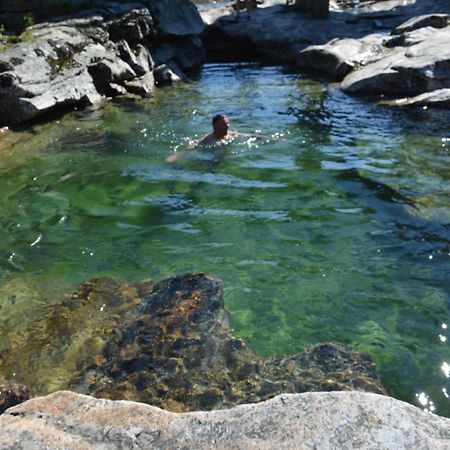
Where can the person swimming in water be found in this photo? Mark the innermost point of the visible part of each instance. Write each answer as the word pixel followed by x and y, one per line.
pixel 221 134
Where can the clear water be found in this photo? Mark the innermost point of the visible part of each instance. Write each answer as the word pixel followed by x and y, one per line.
pixel 338 232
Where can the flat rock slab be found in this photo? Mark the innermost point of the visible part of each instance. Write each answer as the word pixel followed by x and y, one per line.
pixel 335 420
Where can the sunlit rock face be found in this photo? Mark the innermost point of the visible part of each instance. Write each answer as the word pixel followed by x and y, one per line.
pixel 334 420
pixel 168 344
pixel 105 51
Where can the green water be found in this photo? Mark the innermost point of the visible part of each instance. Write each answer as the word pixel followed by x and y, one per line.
pixel 338 232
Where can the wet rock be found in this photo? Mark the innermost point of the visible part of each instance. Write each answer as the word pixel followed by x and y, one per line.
pixel 334 420
pixel 44 354
pixel 437 99
pixel 141 86
pixel 165 76
pixel 427 20
pixel 168 344
pixel 177 352
pixel 12 394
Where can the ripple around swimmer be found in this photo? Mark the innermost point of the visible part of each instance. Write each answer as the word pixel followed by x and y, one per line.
pixel 156 174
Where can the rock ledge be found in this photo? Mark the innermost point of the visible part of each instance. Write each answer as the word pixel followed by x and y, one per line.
pixel 332 420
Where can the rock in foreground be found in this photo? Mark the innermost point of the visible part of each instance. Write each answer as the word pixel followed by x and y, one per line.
pixel 335 420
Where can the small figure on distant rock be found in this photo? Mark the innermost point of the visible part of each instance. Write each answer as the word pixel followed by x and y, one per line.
pixel 240 5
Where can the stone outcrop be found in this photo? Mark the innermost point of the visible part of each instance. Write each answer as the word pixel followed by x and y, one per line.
pixel 352 48
pixel 406 71
pixel 103 52
pixel 335 420
pixel 168 344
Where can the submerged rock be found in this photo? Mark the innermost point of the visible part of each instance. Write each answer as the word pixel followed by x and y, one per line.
pixel 336 420
pixel 168 344
pixel 177 352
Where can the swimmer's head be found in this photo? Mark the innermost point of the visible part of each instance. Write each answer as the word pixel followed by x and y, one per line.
pixel 220 124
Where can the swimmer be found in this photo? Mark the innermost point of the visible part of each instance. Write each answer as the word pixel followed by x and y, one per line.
pixel 221 134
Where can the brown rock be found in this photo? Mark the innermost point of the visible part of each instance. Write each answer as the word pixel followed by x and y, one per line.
pixel 12 394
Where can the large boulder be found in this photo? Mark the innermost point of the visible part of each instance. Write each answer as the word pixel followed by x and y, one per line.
pixel 335 420
pixel 406 71
pixel 177 17
pixel 104 51
pixel 339 57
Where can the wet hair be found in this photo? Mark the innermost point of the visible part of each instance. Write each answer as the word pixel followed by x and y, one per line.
pixel 217 117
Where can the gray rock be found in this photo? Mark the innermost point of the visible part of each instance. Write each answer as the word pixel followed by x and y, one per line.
pixel 134 27
pixel 101 51
pixel 335 420
pixel 177 17
pixel 339 57
pixel 435 99
pixel 409 38
pixel 426 20
pixel 142 86
pixel 406 71
pixel 165 76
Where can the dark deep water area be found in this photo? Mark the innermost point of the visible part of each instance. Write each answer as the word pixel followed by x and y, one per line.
pixel 337 230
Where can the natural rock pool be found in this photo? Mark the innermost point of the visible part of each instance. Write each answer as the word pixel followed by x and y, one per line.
pixel 338 232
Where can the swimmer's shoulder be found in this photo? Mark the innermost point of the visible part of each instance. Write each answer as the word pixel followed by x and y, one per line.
pixel 207 139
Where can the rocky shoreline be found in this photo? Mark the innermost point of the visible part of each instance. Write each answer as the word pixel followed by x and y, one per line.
pixel 335 420
pixel 114 49
pixel 392 51
pixel 169 344
pixel 397 51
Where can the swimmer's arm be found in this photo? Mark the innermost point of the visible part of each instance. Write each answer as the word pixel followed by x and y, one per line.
pixel 259 137
pixel 177 155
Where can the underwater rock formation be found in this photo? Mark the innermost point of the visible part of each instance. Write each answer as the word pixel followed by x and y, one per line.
pixel 168 344
pixel 12 394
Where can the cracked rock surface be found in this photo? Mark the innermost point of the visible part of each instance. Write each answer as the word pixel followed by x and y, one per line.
pixel 335 420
